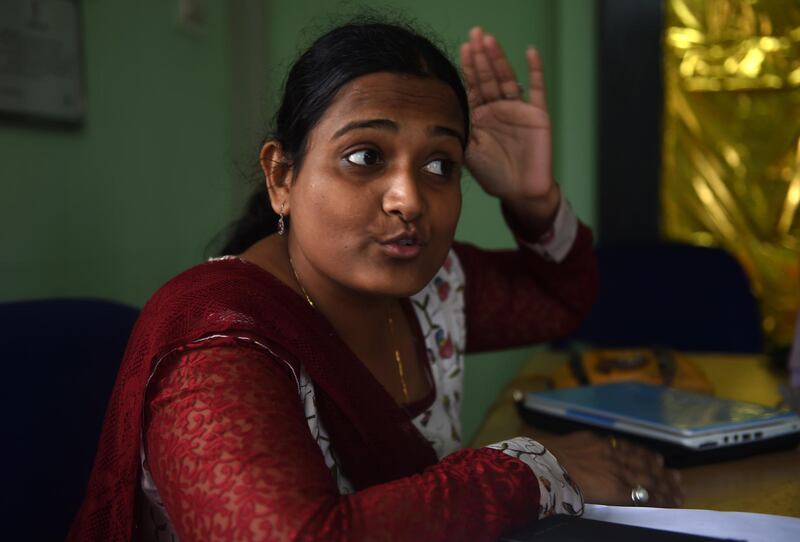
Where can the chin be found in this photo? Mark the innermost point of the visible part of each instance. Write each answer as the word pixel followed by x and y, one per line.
pixel 406 292
pixel 407 284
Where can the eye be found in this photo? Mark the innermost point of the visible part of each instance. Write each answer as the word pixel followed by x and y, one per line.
pixel 364 157
pixel 440 167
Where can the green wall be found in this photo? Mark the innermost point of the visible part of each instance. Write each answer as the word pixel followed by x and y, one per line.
pixel 115 208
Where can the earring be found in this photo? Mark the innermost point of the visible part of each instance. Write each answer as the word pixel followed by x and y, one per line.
pixel 281 222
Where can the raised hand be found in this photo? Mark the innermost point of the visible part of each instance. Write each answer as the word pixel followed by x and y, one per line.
pixel 510 150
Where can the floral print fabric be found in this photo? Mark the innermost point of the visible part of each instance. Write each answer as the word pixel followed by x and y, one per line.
pixel 558 493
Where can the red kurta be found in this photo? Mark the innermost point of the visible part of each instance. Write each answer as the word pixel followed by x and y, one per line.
pixel 243 406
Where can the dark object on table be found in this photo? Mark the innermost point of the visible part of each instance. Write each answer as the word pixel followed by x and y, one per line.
pixel 672 295
pixel 61 359
pixel 650 365
pixel 572 529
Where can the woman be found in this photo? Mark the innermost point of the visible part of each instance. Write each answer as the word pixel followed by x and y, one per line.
pixel 309 388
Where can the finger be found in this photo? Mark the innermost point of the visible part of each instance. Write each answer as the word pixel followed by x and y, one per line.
pixel 665 497
pixel 639 458
pixel 486 78
pixel 643 467
pixel 498 60
pixel 649 480
pixel 468 67
pixel 646 464
pixel 676 487
pixel 668 489
pixel 657 495
pixel 663 487
pixel 536 90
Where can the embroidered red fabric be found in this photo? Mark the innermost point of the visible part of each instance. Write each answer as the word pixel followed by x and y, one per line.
pixel 229 449
pixel 512 298
pixel 515 298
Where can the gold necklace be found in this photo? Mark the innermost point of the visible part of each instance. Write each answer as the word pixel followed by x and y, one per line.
pixel 308 298
pixel 398 360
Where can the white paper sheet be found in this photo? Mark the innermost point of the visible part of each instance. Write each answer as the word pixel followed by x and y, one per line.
pixel 730 525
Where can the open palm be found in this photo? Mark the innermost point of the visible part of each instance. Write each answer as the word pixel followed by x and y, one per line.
pixel 509 152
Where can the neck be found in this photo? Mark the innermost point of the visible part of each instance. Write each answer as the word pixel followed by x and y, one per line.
pixel 372 326
pixel 356 315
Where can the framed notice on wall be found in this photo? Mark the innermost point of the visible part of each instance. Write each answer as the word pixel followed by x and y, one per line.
pixel 41 68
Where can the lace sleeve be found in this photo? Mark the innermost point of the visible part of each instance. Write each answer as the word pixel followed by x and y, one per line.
pixel 556 243
pixel 558 493
pixel 229 450
pixel 515 298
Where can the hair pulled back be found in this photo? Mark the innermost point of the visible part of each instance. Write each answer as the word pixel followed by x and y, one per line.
pixel 333 60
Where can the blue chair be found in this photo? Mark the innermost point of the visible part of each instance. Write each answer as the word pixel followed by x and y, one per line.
pixel 61 359
pixel 675 296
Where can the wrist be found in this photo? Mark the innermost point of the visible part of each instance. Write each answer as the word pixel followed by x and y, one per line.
pixel 533 217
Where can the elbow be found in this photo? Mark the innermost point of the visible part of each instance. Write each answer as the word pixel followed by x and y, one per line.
pixel 587 302
pixel 581 306
pixel 331 520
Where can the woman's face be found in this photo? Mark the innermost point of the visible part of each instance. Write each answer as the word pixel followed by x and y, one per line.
pixel 374 205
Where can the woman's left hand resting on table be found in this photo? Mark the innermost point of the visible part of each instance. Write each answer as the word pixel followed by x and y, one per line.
pixel 607 470
pixel 510 155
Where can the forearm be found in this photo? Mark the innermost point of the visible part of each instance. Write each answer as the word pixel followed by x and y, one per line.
pixel 537 293
pixel 470 495
pixel 229 450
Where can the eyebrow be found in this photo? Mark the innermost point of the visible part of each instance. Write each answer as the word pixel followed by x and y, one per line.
pixel 444 130
pixel 386 124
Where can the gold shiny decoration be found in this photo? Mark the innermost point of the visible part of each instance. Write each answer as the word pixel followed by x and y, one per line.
pixel 397 359
pixel 731 149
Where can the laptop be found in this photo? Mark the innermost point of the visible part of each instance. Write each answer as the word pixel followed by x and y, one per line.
pixel 686 427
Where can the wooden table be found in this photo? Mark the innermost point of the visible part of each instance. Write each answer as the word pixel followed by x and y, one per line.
pixel 766 483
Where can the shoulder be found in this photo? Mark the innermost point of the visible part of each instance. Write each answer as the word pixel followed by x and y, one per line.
pixel 215 296
pixel 215 270
pixel 223 278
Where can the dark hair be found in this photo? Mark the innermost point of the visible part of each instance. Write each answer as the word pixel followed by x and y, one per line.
pixel 333 60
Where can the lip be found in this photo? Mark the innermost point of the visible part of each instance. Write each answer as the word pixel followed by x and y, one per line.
pixel 404 246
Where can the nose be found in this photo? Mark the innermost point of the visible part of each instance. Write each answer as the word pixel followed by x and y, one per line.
pixel 403 196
